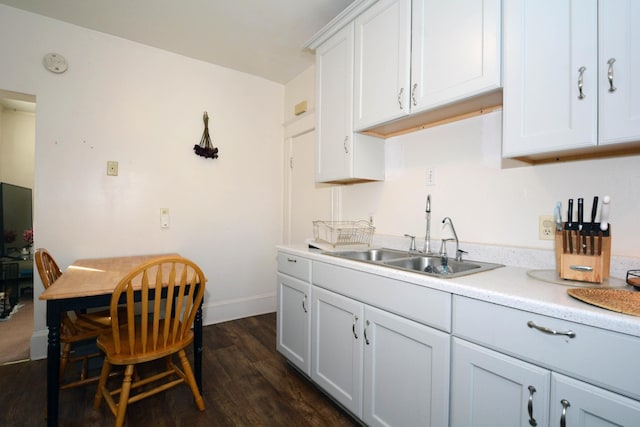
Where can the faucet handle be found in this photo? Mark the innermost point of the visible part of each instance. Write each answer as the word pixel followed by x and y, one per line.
pixel 412 245
pixel 459 253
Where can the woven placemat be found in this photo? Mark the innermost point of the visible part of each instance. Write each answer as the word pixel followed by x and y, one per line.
pixel 619 300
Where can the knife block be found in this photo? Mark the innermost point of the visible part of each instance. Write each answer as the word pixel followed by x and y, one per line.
pixel 583 266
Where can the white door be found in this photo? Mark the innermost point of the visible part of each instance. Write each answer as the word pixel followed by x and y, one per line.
pixel 294 321
pixel 492 389
pixel 619 62
pixel 406 372
pixel 307 200
pixel 334 97
pixel 382 63
pixel 577 404
pixel 455 50
pixel 336 358
pixel 550 95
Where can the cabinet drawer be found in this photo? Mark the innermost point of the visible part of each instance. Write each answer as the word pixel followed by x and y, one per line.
pixel 424 305
pixel 294 266
pixel 597 356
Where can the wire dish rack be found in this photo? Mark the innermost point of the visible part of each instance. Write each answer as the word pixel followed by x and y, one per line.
pixel 338 233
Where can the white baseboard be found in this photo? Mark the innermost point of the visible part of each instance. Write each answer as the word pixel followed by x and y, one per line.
pixel 238 308
pixel 217 312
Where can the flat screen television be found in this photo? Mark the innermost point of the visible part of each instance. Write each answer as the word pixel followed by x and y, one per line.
pixel 15 218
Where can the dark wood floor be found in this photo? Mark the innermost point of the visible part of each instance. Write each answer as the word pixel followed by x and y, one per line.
pixel 245 383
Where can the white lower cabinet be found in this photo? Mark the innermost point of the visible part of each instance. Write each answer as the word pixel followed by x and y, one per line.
pixel 294 318
pixel 294 321
pixel 576 404
pixel 524 369
pixel 385 369
pixel 492 389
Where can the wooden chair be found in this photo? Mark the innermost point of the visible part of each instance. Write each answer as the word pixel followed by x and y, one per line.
pixel 159 330
pixel 76 326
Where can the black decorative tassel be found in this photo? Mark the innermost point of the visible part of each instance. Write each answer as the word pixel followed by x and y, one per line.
pixel 206 148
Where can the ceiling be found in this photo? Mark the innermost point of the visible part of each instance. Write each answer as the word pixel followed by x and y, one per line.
pixel 259 37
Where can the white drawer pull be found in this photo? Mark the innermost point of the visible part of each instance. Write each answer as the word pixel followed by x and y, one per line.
pixel 550 331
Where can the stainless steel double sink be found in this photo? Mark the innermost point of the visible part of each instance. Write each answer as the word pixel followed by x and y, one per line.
pixel 429 264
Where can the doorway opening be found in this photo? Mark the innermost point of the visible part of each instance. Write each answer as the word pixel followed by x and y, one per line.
pixel 17 158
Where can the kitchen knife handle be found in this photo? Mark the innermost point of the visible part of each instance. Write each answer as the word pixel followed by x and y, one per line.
pixel 581 71
pixel 594 210
pixel 604 213
pixel 580 213
pixel 570 214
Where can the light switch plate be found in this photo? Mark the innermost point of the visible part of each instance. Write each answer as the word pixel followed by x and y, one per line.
pixel 112 168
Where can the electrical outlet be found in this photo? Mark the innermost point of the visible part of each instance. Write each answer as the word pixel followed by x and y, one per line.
pixel 546 227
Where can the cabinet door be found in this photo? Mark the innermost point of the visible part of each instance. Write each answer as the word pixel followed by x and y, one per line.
pixel 492 389
pixel 455 50
pixel 334 86
pixel 577 404
pixel 336 361
pixel 543 54
pixel 294 321
pixel 406 372
pixel 619 43
pixel 382 63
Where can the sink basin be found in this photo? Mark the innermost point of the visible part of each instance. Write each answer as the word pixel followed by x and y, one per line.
pixel 372 254
pixel 425 264
pixel 433 265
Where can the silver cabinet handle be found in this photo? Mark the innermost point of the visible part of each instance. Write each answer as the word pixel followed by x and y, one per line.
pixel 304 303
pixel 353 327
pixel 612 88
pixel 413 94
pixel 563 418
pixel 532 421
pixel 581 70
pixel 580 268
pixel 550 331
pixel 366 339
pixel 346 144
pixel 400 97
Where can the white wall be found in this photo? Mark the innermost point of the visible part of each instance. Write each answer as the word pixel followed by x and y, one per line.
pixel 17 136
pixel 489 203
pixel 143 107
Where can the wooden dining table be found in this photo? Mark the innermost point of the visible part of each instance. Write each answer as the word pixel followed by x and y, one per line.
pixel 85 284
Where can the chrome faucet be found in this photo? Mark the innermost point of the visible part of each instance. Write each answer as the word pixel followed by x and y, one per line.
pixel 427 237
pixel 458 251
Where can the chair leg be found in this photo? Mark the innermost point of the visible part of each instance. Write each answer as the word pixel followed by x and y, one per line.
pixel 124 396
pixel 191 380
pixel 104 375
pixel 64 359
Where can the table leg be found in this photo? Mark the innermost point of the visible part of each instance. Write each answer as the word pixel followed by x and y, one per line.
pixel 197 347
pixel 53 362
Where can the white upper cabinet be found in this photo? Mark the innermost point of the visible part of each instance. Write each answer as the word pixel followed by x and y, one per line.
pixel 455 50
pixel 382 63
pixel 619 71
pixel 413 56
pixel 556 85
pixel 341 155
